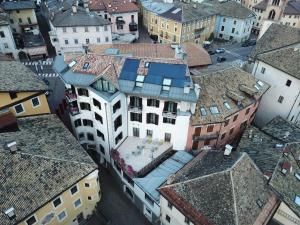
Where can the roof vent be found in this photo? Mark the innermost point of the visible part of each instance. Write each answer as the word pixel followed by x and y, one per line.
pixel 171 179
pixel 10 213
pixel 286 134
pixel 228 149
pixel 279 146
pixel 12 146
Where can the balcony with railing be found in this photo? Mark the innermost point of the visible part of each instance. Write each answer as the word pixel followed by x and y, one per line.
pixel 135 108
pixel 70 96
pixel 204 137
pixel 133 26
pixel 73 110
pixel 169 114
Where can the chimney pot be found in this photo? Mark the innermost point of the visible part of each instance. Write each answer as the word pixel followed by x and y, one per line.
pixel 12 146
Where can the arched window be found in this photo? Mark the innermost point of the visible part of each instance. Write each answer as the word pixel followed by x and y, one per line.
pixel 272 15
pixel 275 2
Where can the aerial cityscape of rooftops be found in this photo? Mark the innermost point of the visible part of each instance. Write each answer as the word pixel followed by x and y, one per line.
pixel 149 112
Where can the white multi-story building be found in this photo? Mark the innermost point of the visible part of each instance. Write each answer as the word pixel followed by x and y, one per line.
pixel 72 30
pixel 7 42
pixel 234 22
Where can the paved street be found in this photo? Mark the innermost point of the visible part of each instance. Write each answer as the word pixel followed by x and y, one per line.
pixel 115 208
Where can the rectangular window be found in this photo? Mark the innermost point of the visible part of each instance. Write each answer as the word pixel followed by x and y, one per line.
pixel 195 145
pixel 76 41
pixel 136 102
pixel 170 206
pixel 118 138
pixel 136 132
pixel 77 123
pixel 35 102
pixel 83 92
pixel 98 40
pixel 231 130
pixel 62 216
pixel 87 41
pixel 106 39
pixel 19 108
pixel 247 111
pixel 74 190
pixel 263 69
pixel 136 117
pixel 118 122
pixel 77 203
pixel 222 28
pixel 288 83
pixel 87 123
pixel 66 42
pixel 153 103
pixel 64 29
pixel 223 136
pixel 102 149
pixel 150 133
pixel 149 199
pixel 116 106
pixel 85 106
pixel 167 137
pixel 280 99
pixel 99 118
pixel 86 29
pixel 97 103
pixel 31 220
pixel 206 142
pixel 100 134
pixel 235 117
pixel 90 137
pixel 105 28
pixel 168 218
pixel 2 34
pixel 152 118
pixel 169 120
pixel 232 30
pixel 20 20
pixel 29 20
pixel 13 95
pixel 226 123
pixel 210 128
pixel 57 202
pixel 74 29
pixel 170 107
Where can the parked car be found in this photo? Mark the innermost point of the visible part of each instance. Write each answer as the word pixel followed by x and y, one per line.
pixel 252 42
pixel 220 50
pixel 211 52
pixel 249 43
pixel 221 59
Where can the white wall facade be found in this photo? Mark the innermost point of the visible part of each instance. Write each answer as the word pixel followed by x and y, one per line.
pixel 178 131
pixel 108 118
pixel 7 43
pixel 270 106
pixel 95 35
pixel 242 28
pixel 176 217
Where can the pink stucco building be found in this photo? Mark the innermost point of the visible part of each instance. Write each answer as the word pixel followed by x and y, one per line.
pixel 227 104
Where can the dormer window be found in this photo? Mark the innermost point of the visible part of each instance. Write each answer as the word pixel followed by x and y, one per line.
pixel 139 81
pixel 202 111
pixel 146 64
pixel 214 110
pixel 297 175
pixel 166 84
pixel 71 64
pixel 86 65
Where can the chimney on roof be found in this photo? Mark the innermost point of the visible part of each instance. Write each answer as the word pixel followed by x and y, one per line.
pixel 228 149
pixel 286 134
pixel 12 147
pixel 86 6
pixel 74 8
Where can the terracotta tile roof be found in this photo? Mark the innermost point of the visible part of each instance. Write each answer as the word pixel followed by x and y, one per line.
pixel 196 55
pixel 113 6
pixel 231 85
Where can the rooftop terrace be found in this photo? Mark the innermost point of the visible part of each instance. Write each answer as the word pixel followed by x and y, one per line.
pixel 135 154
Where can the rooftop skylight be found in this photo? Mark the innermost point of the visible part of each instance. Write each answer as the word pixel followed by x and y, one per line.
pixel 297 200
pixel 71 64
pixel 86 65
pixel 166 84
pixel 297 175
pixel 227 106
pixel 202 111
pixel 139 80
pixel 214 110
pixel 260 83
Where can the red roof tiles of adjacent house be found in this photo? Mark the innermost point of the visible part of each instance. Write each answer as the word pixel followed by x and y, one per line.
pixel 113 6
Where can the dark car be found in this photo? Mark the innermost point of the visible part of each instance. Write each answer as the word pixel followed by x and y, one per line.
pixel 252 42
pixel 245 44
pixel 249 43
pixel 211 52
pixel 221 59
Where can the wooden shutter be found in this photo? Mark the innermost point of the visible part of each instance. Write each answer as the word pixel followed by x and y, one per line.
pixel 148 117
pixel 157 103
pixel 131 116
pixel 148 102
pixel 197 131
pixel 131 103
pixel 140 117
pixel 156 119
pixel 140 102
pixel 166 107
pixel 174 107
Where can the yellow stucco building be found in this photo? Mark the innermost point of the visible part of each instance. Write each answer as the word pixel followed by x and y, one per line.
pixel 21 91
pixel 178 22
pixel 48 178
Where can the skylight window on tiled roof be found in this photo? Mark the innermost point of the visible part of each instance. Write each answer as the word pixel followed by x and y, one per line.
pixel 71 64
pixel 227 106
pixel 86 65
pixel 166 84
pixel 202 111
pixel 176 10
pixel 146 64
pixel 297 175
pixel 260 83
pixel 297 200
pixel 139 81
pixel 214 110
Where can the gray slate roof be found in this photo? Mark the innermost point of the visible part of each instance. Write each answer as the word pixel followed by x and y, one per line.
pixel 279 128
pixel 81 18
pixel 49 160
pixel 235 10
pixel 17 5
pixel 285 59
pixel 261 148
pixel 224 189
pixel 292 8
pixel 15 76
pixel 277 36
pixel 288 186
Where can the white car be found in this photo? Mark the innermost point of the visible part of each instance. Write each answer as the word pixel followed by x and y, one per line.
pixel 220 50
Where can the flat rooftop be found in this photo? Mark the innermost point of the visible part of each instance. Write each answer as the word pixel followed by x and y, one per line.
pixel 140 152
